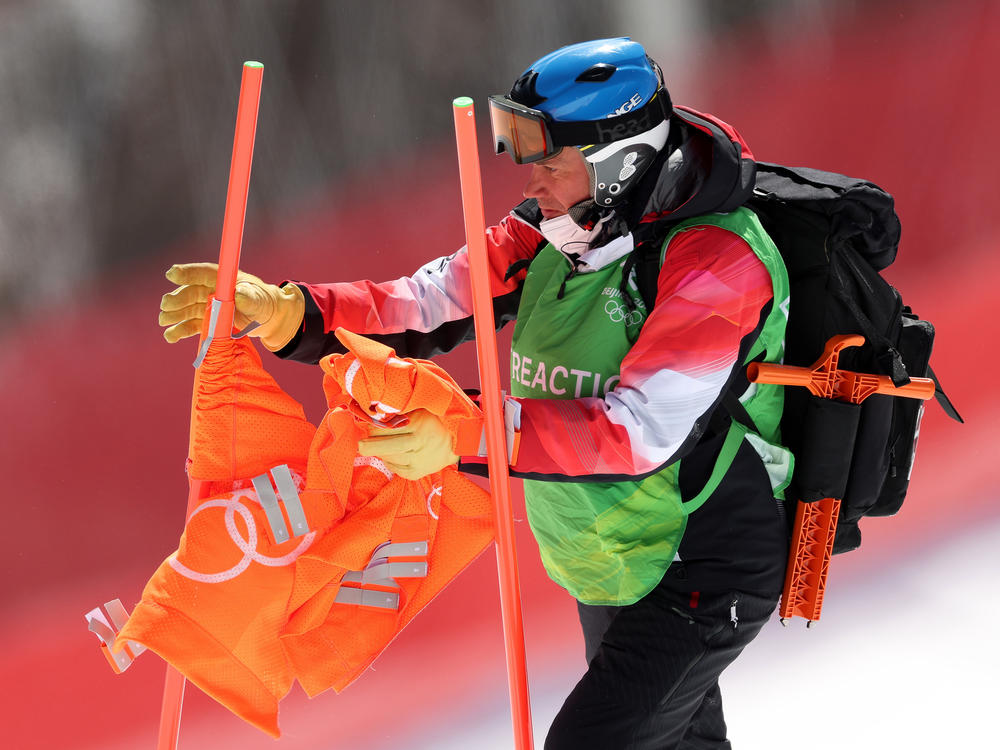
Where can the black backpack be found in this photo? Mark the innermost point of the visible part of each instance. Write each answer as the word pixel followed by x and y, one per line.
pixel 835 234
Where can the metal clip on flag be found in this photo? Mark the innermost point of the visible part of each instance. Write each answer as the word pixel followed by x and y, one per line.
pixel 106 624
pixel 219 323
pixel 496 443
pixel 816 522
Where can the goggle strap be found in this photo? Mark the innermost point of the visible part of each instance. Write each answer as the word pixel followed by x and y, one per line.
pixel 611 129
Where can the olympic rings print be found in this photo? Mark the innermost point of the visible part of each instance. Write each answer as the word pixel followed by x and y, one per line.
pixel 618 312
pixel 247 546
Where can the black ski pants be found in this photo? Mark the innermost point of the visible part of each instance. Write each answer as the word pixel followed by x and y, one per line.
pixel 654 666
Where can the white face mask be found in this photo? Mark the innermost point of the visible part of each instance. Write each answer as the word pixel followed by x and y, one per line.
pixel 567 236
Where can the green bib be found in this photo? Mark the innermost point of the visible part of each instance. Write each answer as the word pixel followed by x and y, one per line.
pixel 610 542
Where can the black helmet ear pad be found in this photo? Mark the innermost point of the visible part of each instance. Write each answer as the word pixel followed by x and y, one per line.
pixel 619 168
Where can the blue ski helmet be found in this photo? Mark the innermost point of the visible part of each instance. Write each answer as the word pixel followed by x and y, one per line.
pixel 605 97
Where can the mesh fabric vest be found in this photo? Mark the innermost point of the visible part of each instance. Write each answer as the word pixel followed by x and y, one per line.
pixel 610 542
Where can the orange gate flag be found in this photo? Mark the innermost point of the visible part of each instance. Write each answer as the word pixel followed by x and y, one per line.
pixel 218 323
pixel 305 560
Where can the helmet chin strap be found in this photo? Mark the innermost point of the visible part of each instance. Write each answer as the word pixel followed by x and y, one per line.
pixel 587 214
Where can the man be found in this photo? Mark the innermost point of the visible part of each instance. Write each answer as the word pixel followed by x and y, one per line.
pixel 652 506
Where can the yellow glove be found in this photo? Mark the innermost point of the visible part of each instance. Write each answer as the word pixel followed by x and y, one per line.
pixel 279 310
pixel 422 447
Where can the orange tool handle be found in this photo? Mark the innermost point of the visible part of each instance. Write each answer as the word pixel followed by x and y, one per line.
pixel 763 372
pixel 225 291
pixel 496 442
pixel 809 559
pixel 815 525
pixel 827 380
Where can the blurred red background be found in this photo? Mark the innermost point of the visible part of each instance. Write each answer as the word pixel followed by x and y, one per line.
pixel 94 406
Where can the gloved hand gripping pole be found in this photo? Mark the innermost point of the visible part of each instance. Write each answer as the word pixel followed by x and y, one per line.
pixel 219 323
pixel 816 522
pixel 496 441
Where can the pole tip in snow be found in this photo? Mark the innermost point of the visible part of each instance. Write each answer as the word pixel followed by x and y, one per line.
pixel 462 101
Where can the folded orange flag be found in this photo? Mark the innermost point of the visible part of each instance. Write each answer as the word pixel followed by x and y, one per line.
pixel 307 559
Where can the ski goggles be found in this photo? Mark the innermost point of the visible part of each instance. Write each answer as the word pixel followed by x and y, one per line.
pixel 530 135
pixel 521 131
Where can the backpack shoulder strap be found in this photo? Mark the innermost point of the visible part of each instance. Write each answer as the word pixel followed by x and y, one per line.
pixel 646 260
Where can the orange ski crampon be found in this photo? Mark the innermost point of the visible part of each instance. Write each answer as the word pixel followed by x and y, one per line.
pixel 816 522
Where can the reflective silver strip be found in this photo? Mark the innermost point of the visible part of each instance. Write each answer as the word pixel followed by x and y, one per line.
pixel 385 573
pixel 119 616
pixel 400 549
pixel 269 501
pixel 352 576
pixel 511 423
pixel 213 320
pixel 251 326
pixel 368 598
pixel 397 420
pixel 398 570
pixel 116 611
pixel 511 426
pixel 380 572
pixel 98 624
pixel 290 496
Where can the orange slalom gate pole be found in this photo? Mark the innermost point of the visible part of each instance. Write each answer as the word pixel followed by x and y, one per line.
pixel 234 218
pixel 496 442
pixel 816 522
pixel 224 298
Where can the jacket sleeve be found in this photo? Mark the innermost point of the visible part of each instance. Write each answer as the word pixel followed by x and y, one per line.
pixel 712 295
pixel 421 315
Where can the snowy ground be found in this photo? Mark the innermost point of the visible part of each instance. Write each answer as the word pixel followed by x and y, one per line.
pixel 906 658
